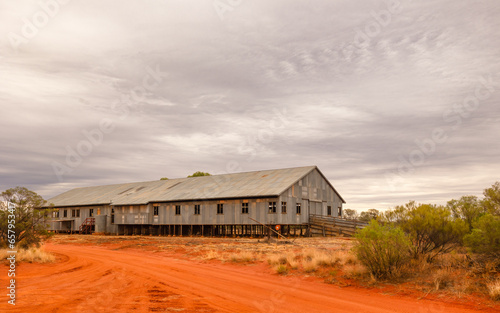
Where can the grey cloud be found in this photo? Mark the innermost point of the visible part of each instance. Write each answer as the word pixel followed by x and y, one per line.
pixel 271 85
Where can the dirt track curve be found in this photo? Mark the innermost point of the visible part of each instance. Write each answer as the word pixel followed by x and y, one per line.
pixel 96 279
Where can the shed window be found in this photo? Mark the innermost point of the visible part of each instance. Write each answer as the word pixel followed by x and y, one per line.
pixel 283 207
pixel 177 210
pixel 196 209
pixel 329 210
pixel 55 213
pixel 91 212
pixel 244 208
pixel 112 216
pixel 65 213
pixel 298 208
pixel 155 210
pixel 340 211
pixel 220 208
pixel 272 207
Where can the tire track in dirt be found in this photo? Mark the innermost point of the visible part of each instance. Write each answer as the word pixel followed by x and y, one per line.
pixel 94 279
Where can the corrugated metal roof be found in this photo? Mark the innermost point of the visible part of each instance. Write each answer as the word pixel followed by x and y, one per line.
pixel 238 185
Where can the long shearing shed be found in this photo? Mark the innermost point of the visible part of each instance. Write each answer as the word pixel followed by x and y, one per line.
pixel 238 203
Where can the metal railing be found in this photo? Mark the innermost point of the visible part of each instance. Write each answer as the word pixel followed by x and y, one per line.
pixel 86 227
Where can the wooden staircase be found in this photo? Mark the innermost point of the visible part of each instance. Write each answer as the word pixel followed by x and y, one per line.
pixel 328 226
pixel 87 226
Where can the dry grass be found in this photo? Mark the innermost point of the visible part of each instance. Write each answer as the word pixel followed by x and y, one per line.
pixel 417 267
pixel 32 255
pixel 309 266
pixel 354 270
pixel 310 260
pixel 281 269
pixel 212 255
pixel 448 274
pixel 289 259
pixel 276 259
pixel 442 278
pixel 343 257
pixel 242 257
pixel 494 289
pixel 293 260
pixel 323 258
pixel 462 286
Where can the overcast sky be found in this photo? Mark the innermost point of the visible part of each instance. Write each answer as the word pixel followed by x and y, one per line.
pixel 392 100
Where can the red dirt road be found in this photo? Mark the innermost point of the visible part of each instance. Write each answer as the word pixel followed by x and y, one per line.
pixel 96 279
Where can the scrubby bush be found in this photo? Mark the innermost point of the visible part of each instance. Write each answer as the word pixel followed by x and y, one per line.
pixel 491 201
pixel 384 250
pixel 468 208
pixel 369 215
pixel 28 218
pixel 431 228
pixel 485 236
pixel 397 215
pixel 351 214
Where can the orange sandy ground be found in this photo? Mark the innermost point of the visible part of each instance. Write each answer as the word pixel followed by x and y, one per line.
pixel 125 276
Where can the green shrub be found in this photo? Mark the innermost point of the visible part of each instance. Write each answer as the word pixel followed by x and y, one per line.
pixel 491 201
pixel 29 219
pixel 382 249
pixel 431 228
pixel 485 236
pixel 468 208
